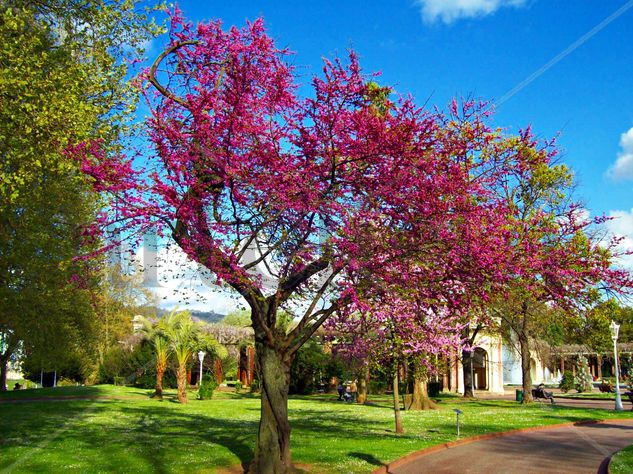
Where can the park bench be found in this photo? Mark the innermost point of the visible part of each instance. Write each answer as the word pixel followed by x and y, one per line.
pixel 630 395
pixel 606 387
pixel 541 393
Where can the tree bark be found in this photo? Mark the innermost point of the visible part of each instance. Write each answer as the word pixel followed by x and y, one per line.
pixel 396 401
pixel 525 368
pixel 599 364
pixel 467 361
pixel 524 346
pixel 363 381
pixel 181 375
pixel 160 373
pixel 4 368
pixel 11 345
pixel 272 451
pixel 421 400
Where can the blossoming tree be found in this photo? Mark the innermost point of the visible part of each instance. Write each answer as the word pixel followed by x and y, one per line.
pixel 297 204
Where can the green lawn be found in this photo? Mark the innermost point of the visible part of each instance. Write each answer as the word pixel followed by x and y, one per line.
pixel 588 395
pixel 622 462
pixel 130 433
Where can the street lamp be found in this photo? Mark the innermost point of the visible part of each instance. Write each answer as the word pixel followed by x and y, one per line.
pixel 200 358
pixel 615 329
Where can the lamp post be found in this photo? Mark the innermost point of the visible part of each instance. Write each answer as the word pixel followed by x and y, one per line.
pixel 615 329
pixel 472 375
pixel 457 412
pixel 200 358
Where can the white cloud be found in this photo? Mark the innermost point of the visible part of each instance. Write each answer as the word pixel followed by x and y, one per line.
pixel 623 167
pixel 449 11
pixel 622 226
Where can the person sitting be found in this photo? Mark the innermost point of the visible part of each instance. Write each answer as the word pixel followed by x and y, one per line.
pixel 540 392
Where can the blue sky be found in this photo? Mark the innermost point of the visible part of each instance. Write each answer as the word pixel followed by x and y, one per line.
pixel 436 50
pixel 439 49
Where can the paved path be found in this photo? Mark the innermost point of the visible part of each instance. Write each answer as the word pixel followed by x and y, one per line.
pixel 573 449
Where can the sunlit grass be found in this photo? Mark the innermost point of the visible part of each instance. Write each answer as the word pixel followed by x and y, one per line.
pixel 622 462
pixel 130 432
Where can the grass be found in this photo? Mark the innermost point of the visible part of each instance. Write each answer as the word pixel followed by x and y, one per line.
pixel 622 462
pixel 127 431
pixel 588 395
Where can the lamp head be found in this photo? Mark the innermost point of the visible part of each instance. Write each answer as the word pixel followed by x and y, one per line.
pixel 201 355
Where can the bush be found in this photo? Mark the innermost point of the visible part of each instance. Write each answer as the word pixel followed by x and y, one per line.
pixel 148 379
pixel 377 387
pixel 255 386
pixel 66 382
pixel 207 387
pixel 567 382
pixel 583 376
pixel 238 386
pixel 308 368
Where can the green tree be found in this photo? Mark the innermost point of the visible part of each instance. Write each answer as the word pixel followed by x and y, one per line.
pixel 186 337
pixel 63 79
pixel 157 333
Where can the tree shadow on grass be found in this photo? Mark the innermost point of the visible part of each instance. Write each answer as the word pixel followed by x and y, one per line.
pixel 368 458
pixel 100 437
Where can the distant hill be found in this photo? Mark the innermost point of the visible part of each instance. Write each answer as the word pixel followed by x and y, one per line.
pixel 207 316
pixel 204 316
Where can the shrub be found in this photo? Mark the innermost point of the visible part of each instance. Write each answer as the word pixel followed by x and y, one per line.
pixel 377 387
pixel 148 379
pixel 207 387
pixel 567 382
pixel 255 386
pixel 308 368
pixel 66 382
pixel 583 376
pixel 238 386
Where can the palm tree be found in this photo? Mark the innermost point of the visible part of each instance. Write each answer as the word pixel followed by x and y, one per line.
pixel 186 337
pixel 156 333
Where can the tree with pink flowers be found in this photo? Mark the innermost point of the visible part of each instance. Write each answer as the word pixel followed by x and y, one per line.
pixel 560 256
pixel 307 204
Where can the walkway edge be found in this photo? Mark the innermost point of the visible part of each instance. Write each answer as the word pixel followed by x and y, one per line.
pixel 386 469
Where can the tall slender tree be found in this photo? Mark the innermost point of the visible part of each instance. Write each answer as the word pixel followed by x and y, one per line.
pixel 63 66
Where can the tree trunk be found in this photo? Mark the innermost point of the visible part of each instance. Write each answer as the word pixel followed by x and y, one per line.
pixel 363 381
pixel 599 364
pixel 525 368
pixel 396 401
pixel 467 370
pixel 160 373
pixel 272 451
pixel 181 376
pixel 11 345
pixel 421 400
pixel 4 368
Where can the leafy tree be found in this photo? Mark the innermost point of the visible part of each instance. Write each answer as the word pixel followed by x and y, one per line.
pixel 556 256
pixel 185 338
pixel 157 334
pixel 308 368
pixel 240 319
pixel 63 80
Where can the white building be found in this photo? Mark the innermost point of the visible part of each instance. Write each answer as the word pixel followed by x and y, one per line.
pixel 487 367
